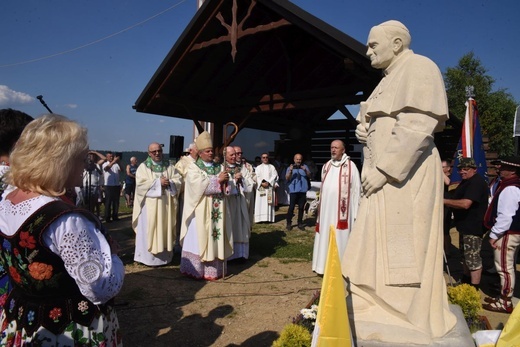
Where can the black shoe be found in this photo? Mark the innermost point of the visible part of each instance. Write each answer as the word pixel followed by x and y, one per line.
pixel 301 227
pixel 288 227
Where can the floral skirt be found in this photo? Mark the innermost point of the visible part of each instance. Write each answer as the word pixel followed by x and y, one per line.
pixel 104 331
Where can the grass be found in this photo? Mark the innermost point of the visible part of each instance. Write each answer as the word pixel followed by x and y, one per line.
pixel 272 240
pixel 122 207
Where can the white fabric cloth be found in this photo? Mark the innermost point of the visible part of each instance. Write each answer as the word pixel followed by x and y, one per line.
pixel 250 196
pixel 81 246
pixel 155 215
pixel 265 197
pixel 507 206
pixel 183 163
pixel 329 204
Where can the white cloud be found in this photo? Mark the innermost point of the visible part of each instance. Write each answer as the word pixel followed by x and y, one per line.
pixel 121 141
pixel 71 105
pixel 10 97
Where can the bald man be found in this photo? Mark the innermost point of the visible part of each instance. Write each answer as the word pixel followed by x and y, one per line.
pixel 155 208
pixel 240 182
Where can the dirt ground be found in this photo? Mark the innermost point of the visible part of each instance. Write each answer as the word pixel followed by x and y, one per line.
pixel 160 307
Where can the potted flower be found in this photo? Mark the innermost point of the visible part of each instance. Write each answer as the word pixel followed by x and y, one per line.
pixel 299 332
pixel 468 298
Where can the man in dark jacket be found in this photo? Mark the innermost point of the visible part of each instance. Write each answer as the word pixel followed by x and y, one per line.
pixel 469 203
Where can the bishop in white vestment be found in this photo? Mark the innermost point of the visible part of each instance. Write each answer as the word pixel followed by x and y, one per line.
pixel 155 209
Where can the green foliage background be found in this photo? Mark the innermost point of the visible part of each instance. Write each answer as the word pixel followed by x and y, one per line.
pixel 496 108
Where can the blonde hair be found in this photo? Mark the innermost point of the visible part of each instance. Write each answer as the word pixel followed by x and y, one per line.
pixel 43 159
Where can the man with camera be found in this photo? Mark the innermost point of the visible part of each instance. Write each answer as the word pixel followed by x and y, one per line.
pixel 111 170
pixel 297 176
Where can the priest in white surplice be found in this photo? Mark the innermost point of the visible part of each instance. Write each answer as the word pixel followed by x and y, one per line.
pixel 339 201
pixel 240 183
pixel 155 208
pixel 267 180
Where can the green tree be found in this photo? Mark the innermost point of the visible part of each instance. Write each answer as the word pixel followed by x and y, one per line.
pixel 496 108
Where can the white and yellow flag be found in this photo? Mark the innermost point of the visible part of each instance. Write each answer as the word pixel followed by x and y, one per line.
pixel 332 327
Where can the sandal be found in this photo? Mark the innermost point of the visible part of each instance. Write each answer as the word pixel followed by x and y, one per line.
pixel 491 300
pixel 500 305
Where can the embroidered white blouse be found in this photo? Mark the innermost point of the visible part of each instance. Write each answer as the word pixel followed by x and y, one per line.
pixel 76 240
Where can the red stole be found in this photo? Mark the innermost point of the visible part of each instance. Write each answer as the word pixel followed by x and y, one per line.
pixel 343 196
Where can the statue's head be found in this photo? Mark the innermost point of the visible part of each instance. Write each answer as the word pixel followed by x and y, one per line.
pixel 386 42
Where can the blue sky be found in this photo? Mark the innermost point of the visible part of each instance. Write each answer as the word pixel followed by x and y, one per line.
pixel 91 59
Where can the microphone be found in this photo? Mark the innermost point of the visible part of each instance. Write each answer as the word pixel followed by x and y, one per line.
pixel 40 97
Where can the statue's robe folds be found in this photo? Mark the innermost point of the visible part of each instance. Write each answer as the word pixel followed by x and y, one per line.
pixel 394 258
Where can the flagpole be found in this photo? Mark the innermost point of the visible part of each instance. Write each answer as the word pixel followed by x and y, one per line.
pixel 470 143
pixel 467 143
pixel 516 130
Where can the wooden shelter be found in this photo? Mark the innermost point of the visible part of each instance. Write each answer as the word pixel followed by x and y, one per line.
pixel 263 64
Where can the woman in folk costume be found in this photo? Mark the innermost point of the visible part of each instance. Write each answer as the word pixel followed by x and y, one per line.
pixel 339 201
pixel 206 244
pixel 63 269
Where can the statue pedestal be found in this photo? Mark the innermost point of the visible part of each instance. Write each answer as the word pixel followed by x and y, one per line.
pixel 459 336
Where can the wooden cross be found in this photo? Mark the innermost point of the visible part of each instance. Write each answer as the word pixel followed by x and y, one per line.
pixel 344 175
pixel 236 31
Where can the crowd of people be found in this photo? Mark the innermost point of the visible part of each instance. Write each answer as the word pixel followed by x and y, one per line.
pixel 59 268
pixel 201 207
pixel 487 217
pixel 205 207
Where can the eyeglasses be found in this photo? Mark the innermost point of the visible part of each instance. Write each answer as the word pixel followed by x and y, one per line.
pixel 265 157
pixel 157 151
